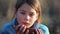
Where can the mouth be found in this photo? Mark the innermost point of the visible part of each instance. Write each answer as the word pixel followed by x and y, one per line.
pixel 25 23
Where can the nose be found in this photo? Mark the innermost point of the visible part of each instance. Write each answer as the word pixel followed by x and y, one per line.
pixel 27 17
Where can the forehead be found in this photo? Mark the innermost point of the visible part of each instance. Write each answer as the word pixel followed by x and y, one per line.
pixel 27 8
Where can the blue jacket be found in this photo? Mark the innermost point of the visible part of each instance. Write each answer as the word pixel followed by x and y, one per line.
pixel 9 28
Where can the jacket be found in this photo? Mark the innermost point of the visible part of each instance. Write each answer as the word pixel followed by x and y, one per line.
pixel 9 28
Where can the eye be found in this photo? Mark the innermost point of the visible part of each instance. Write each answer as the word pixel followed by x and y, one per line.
pixel 31 14
pixel 22 13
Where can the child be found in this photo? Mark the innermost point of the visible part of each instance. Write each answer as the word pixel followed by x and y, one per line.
pixel 27 19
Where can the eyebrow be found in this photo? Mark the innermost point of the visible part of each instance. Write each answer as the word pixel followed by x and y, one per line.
pixel 25 11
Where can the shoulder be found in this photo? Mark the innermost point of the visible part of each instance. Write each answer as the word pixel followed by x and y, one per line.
pixel 6 26
pixel 44 28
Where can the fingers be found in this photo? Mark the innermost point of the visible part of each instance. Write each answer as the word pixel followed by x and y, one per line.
pixel 20 29
pixel 32 32
pixel 27 32
pixel 24 28
pixel 40 31
pixel 17 27
pixel 36 31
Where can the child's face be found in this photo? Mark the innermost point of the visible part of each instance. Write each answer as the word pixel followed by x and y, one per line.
pixel 26 15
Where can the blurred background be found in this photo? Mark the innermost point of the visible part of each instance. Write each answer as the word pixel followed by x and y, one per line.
pixel 50 13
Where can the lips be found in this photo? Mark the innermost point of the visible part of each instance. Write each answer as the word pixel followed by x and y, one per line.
pixel 25 23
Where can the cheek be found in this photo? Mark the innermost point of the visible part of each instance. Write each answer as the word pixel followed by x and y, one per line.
pixel 33 19
pixel 19 18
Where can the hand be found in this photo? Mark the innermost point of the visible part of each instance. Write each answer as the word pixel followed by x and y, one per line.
pixel 20 29
pixel 33 31
pixel 40 31
pixel 36 31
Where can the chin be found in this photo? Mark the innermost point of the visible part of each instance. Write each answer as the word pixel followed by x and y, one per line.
pixel 28 26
